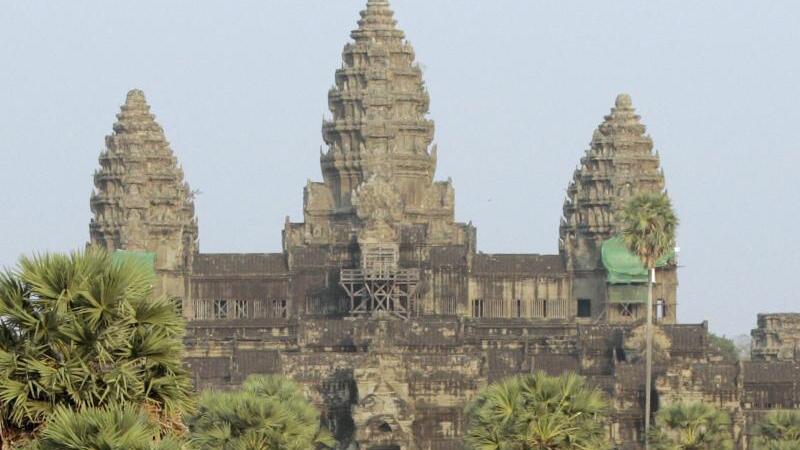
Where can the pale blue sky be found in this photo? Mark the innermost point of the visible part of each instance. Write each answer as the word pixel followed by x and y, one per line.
pixel 517 88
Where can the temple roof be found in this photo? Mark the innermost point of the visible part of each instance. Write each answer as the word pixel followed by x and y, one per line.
pixel 519 264
pixel 217 264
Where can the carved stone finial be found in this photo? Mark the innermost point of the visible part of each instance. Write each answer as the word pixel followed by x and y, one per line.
pixel 623 101
pixel 377 16
pixel 135 96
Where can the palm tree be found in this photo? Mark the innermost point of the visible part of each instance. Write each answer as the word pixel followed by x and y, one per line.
pixel 648 229
pixel 83 331
pixel 780 430
pixel 267 413
pixel 108 428
pixel 537 412
pixel 691 426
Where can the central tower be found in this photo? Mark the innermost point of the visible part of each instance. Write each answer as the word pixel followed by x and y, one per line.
pixel 379 106
pixel 378 208
pixel 379 164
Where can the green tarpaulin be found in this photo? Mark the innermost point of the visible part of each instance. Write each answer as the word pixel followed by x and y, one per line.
pixel 627 293
pixel 623 266
pixel 145 258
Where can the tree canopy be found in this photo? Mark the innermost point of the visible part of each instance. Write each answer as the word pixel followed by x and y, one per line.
pixel 113 427
pixel 648 226
pixel 780 430
pixel 537 412
pixel 691 426
pixel 80 331
pixel 267 413
pixel 726 347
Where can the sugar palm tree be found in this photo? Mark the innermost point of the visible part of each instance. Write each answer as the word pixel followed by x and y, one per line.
pixel 648 229
pixel 267 413
pixel 537 412
pixel 83 331
pixel 108 428
pixel 691 426
pixel 780 430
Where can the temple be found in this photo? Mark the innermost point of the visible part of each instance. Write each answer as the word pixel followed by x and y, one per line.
pixel 380 302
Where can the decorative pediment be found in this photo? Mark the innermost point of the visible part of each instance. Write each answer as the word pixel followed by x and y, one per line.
pixel 384 418
pixel 379 207
pixel 377 200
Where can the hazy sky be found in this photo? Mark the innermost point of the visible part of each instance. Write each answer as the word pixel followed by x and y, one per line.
pixel 517 87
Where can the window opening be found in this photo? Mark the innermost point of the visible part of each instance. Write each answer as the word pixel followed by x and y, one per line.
pixel 220 309
pixel 584 307
pixel 477 308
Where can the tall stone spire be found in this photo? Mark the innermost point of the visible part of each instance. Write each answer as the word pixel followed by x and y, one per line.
pixel 379 105
pixel 379 163
pixel 618 164
pixel 141 202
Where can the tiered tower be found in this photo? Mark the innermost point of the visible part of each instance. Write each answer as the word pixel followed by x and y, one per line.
pixel 379 164
pixel 379 106
pixel 141 202
pixel 619 163
pixel 377 215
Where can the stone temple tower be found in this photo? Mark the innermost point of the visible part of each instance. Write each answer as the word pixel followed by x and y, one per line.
pixel 379 164
pixel 619 163
pixel 141 203
pixel 379 107
pixel 378 206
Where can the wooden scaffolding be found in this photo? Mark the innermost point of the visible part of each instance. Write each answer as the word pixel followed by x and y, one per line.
pixel 374 292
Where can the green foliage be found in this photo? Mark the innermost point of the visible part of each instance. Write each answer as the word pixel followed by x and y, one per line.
pixel 537 412
pixel 267 413
pixel 725 346
pixel 80 331
pixel 780 430
pixel 649 226
pixel 107 428
pixel 691 426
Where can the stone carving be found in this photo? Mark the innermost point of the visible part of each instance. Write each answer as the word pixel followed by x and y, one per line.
pixel 384 413
pixel 377 200
pixel 634 344
pixel 378 206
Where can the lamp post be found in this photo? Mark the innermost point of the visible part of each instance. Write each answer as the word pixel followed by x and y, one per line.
pixel 651 278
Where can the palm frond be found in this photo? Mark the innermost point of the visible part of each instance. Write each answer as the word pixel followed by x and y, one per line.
pixel 779 430
pixel 80 331
pixel 537 412
pixel 691 425
pixel 267 412
pixel 648 227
